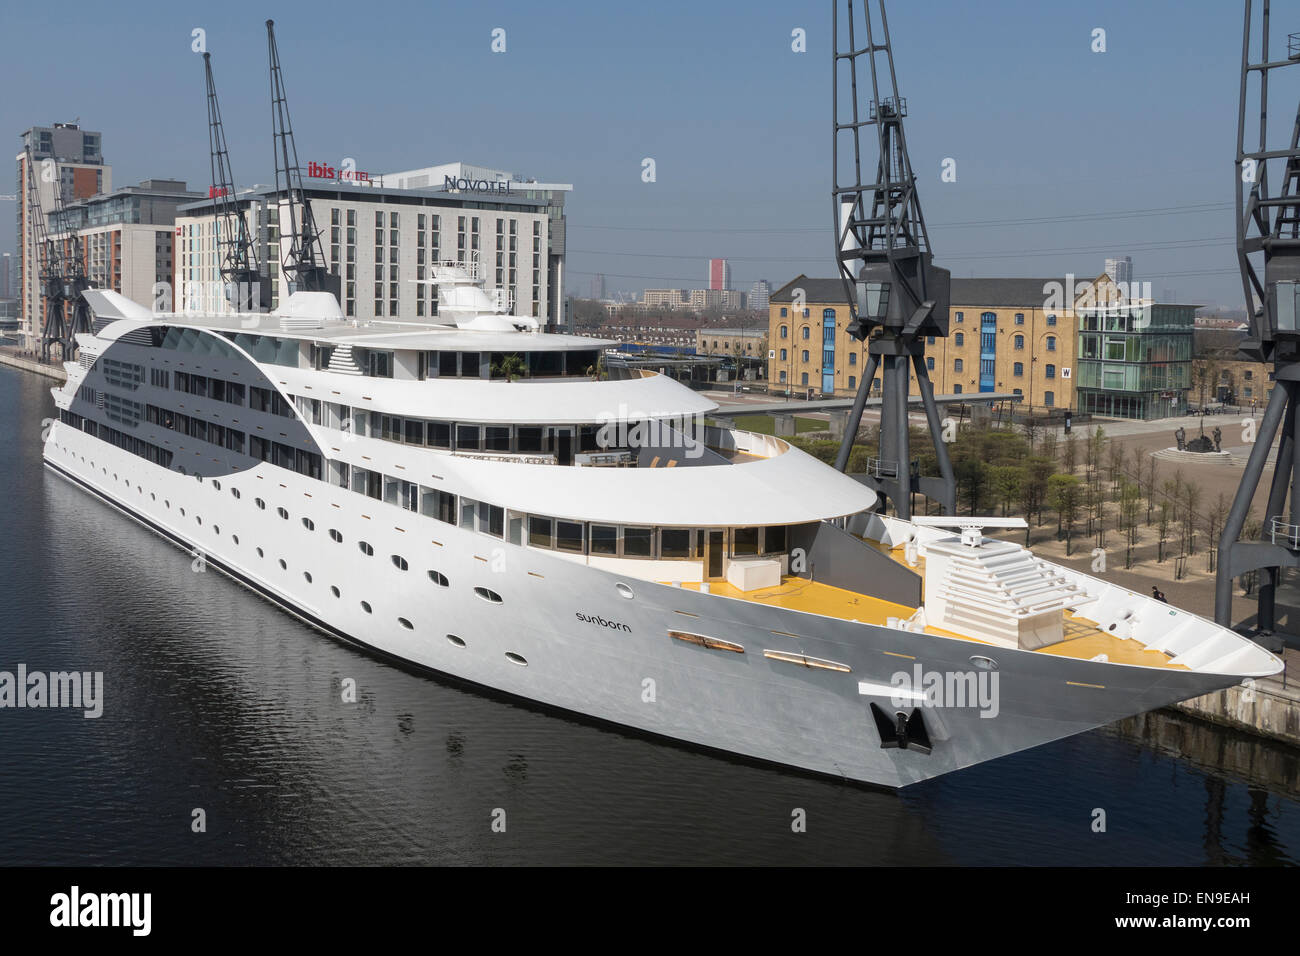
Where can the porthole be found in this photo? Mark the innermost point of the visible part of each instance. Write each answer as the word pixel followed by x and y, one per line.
pixel 199 519
pixel 514 658
pixel 309 524
pixel 624 590
pixel 365 606
pixel 400 562
pixel 438 578
pixel 283 566
pixel 455 640
pixel 236 492
pixel 260 503
pixel 259 553
pixel 216 529
pixel 167 503
pixel 216 485
pixel 139 490
pixel 334 591
pixel 490 596
pixel 336 535
pixel 235 538
pixel 365 548
pixel 406 624
pixel 984 663
pixel 182 512
pixel 200 478
pixel 152 496
pixel 282 513
pixel 307 575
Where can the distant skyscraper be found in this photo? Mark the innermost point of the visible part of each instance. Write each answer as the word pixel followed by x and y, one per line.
pixel 719 274
pixel 598 286
pixel 1120 269
pixel 759 295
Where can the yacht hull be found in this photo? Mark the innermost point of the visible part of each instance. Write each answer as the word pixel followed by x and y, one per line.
pixel 640 654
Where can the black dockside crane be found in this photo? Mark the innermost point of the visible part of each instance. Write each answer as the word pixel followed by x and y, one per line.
pixel 896 294
pixel 304 262
pixel 1268 254
pixel 247 289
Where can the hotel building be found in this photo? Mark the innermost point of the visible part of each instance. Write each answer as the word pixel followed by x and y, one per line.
pixel 381 233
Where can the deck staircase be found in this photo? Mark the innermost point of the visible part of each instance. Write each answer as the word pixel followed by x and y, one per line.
pixel 997 591
pixel 343 361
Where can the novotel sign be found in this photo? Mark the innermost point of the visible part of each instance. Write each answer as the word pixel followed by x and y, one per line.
pixel 477 185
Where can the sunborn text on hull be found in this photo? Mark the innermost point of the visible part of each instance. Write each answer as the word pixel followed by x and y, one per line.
pixel 450 495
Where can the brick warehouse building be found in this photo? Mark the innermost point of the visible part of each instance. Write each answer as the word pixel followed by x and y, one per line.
pixel 1003 337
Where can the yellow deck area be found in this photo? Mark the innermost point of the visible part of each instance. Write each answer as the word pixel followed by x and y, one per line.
pixel 800 594
pixel 1083 640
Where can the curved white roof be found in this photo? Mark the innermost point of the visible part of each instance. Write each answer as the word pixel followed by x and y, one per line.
pixel 543 401
pixel 791 488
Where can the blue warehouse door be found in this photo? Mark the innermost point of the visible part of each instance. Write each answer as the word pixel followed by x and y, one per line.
pixel 828 352
pixel 988 351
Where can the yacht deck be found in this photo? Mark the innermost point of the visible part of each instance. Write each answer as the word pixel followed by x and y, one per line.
pixel 1083 640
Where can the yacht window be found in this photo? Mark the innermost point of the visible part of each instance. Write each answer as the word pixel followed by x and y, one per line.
pixel 516 525
pixel 496 438
pixel 365 548
pixel 439 434
pixel 438 504
pixel 414 432
pixel 539 531
pixel 675 543
pixel 447 363
pixel 467 438
pixel 528 438
pixel 568 536
pixel 604 539
pixel 468 511
pixel 744 541
pixel 469 365
pixel 637 542
pixel 774 539
pixel 492 519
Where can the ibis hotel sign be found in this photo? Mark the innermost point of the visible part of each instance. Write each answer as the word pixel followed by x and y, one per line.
pixel 496 187
pixel 348 173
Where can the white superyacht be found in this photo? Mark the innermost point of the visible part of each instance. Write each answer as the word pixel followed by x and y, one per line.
pixel 478 499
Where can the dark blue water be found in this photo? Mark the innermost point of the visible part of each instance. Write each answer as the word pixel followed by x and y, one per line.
pixel 216 700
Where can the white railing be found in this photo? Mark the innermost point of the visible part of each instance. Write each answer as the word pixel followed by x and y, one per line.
pixel 1285 533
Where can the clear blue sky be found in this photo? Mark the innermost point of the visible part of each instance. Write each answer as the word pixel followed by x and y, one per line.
pixel 738 124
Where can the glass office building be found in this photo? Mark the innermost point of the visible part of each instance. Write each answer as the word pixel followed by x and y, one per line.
pixel 1135 361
